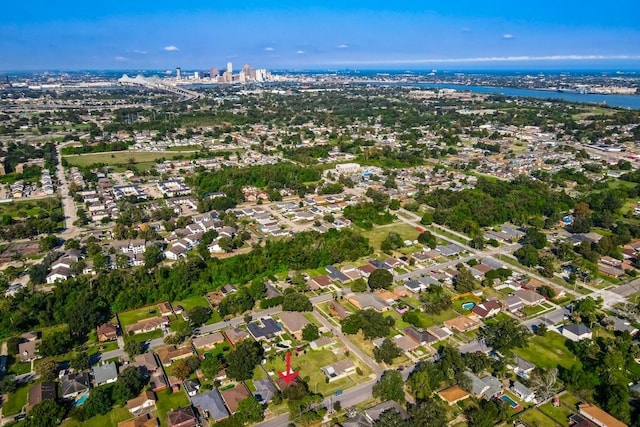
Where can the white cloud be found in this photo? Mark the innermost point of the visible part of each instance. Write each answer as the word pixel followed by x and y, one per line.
pixel 497 59
pixel 171 48
pixel 507 36
pixel 342 46
pixel 300 52
pixel 140 52
pixel 120 59
pixel 269 49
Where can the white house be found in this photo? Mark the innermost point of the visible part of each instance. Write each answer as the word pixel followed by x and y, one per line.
pixel 577 332
pixel 523 392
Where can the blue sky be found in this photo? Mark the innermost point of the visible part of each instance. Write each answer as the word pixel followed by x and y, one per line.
pixel 141 34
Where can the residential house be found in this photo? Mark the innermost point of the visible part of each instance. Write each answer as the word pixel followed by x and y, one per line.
pixel 420 337
pixel 208 342
pixel 170 353
pixel 523 392
pixel 375 412
pixel 146 362
pixel 182 417
pixel 453 394
pixel 74 384
pixel 598 416
pixel 148 325
pixel 133 246
pixel 338 309
pixel 338 370
pixel 319 282
pixel 463 323
pixel 40 392
pixel 106 373
pixel 439 333
pixel 107 332
pixel 146 402
pixel 294 322
pixel 28 351
pixel 337 275
pixel 235 335
pixel 265 390
pixel 621 325
pixel 487 387
pixel 264 329
pixel 373 301
pixel 233 396
pixel 529 298
pixel 415 286
pixel 523 368
pixel 475 346
pixel 191 387
pixel 512 304
pixel 210 406
pixel 486 309
pixel 58 275
pixel 405 343
pixel 165 309
pixel 367 269
pixel 577 332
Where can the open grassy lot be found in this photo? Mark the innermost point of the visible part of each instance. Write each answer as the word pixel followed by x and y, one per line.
pixel 132 316
pixel 309 365
pixel 536 418
pixel 191 302
pixel 548 351
pixel 168 401
pixel 110 419
pixel 118 158
pixel 380 232
pixel 16 400
pixel 560 414
pixel 26 208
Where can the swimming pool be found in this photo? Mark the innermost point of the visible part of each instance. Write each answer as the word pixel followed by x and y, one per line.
pixel 510 401
pixel 81 399
pixel 468 305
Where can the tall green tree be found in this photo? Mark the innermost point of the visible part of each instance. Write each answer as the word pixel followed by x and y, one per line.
pixel 390 387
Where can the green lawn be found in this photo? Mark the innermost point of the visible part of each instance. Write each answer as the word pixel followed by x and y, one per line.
pixel 151 335
pixel 437 319
pixel 380 232
pixel 192 302
pixel 457 304
pixel 533 310
pixel 132 316
pixel 118 158
pixel 309 366
pixel 169 401
pixel 110 419
pixel 19 368
pixel 548 351
pixel 561 413
pixel 15 401
pixel 536 418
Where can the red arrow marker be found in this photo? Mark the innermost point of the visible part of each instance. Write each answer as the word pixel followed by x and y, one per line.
pixel 288 375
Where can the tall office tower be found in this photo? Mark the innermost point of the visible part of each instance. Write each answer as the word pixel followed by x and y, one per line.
pixel 196 75
pixel 214 72
pixel 246 70
pixel 178 73
pixel 229 67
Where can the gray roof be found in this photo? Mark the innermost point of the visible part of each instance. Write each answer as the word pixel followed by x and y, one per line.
pixel 375 412
pixel 212 403
pixel 105 373
pixel 523 364
pixel 268 329
pixel 475 346
pixel 622 325
pixel 520 389
pixel 74 383
pixel 578 329
pixel 265 390
pixel 336 274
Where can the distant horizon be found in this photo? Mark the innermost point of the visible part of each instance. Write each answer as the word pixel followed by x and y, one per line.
pixel 345 69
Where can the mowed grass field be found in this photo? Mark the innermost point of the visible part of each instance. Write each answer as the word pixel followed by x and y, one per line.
pixel 548 351
pixel 120 157
pixel 380 232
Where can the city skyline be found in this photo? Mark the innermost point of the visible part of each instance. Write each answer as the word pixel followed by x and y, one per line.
pixel 303 35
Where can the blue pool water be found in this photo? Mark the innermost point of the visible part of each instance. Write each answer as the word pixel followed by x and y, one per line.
pixel 468 305
pixel 81 399
pixel 509 400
